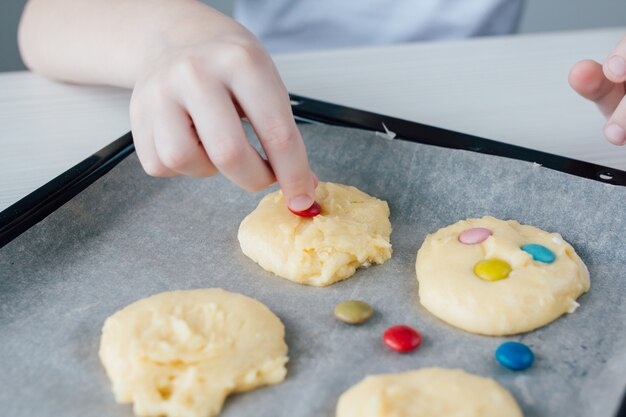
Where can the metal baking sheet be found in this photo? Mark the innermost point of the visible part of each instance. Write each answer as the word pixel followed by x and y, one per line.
pixel 129 236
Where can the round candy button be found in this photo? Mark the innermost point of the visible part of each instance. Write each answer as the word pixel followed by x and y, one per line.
pixel 492 269
pixel 402 338
pixel 474 236
pixel 353 312
pixel 312 211
pixel 514 355
pixel 539 253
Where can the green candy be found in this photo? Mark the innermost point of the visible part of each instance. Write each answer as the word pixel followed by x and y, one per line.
pixel 353 312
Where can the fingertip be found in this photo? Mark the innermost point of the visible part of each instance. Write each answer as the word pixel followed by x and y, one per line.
pixel 299 195
pixel 148 157
pixel 614 68
pixel 586 78
pixel 615 134
pixel 580 71
pixel 157 169
pixel 300 202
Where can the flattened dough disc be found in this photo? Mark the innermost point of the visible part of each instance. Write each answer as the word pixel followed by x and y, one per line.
pixel 180 353
pixel 534 293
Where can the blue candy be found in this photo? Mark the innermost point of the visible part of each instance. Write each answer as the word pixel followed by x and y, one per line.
pixel 514 355
pixel 539 253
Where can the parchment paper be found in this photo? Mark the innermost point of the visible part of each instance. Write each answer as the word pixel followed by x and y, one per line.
pixel 129 236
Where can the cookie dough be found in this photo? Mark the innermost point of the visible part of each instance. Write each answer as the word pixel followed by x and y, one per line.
pixel 180 353
pixel 428 392
pixel 352 230
pixel 531 294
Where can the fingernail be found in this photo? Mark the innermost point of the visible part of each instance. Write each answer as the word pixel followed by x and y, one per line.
pixel 301 202
pixel 617 66
pixel 615 134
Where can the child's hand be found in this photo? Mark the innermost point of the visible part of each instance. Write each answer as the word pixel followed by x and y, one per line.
pixel 605 85
pixel 194 72
pixel 186 109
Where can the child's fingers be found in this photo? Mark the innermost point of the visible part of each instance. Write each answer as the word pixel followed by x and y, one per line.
pixel 615 64
pixel 177 144
pixel 265 101
pixel 615 129
pixel 219 127
pixel 588 79
pixel 144 143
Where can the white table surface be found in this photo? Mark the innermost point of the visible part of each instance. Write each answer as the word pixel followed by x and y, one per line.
pixel 513 89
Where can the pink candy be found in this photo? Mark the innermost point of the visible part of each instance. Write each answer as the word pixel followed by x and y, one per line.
pixel 474 236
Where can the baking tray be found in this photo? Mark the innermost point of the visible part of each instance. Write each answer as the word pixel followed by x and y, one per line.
pixel 128 236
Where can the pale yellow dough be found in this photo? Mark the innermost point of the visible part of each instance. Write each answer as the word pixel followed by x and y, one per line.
pixel 180 353
pixel 533 295
pixel 353 230
pixel 428 392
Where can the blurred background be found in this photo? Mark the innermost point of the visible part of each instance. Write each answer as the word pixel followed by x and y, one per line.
pixel 538 16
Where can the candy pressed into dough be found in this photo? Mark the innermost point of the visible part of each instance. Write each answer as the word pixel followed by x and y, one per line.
pixel 180 353
pixel 428 392
pixel 352 230
pixel 534 294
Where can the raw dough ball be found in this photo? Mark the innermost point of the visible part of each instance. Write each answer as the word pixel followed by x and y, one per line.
pixel 533 294
pixel 352 231
pixel 428 392
pixel 180 353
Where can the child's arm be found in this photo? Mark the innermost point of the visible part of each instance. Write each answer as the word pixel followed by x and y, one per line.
pixel 605 85
pixel 194 72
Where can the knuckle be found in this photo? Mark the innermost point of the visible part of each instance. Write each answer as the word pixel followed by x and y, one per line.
pixel 154 98
pixel 153 90
pixel 175 158
pixel 279 137
pixel 187 66
pixel 240 54
pixel 227 157
pixel 188 70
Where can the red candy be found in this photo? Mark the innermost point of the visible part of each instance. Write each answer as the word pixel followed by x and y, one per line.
pixel 402 338
pixel 312 211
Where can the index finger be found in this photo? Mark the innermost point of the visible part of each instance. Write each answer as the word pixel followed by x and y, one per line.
pixel 265 101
